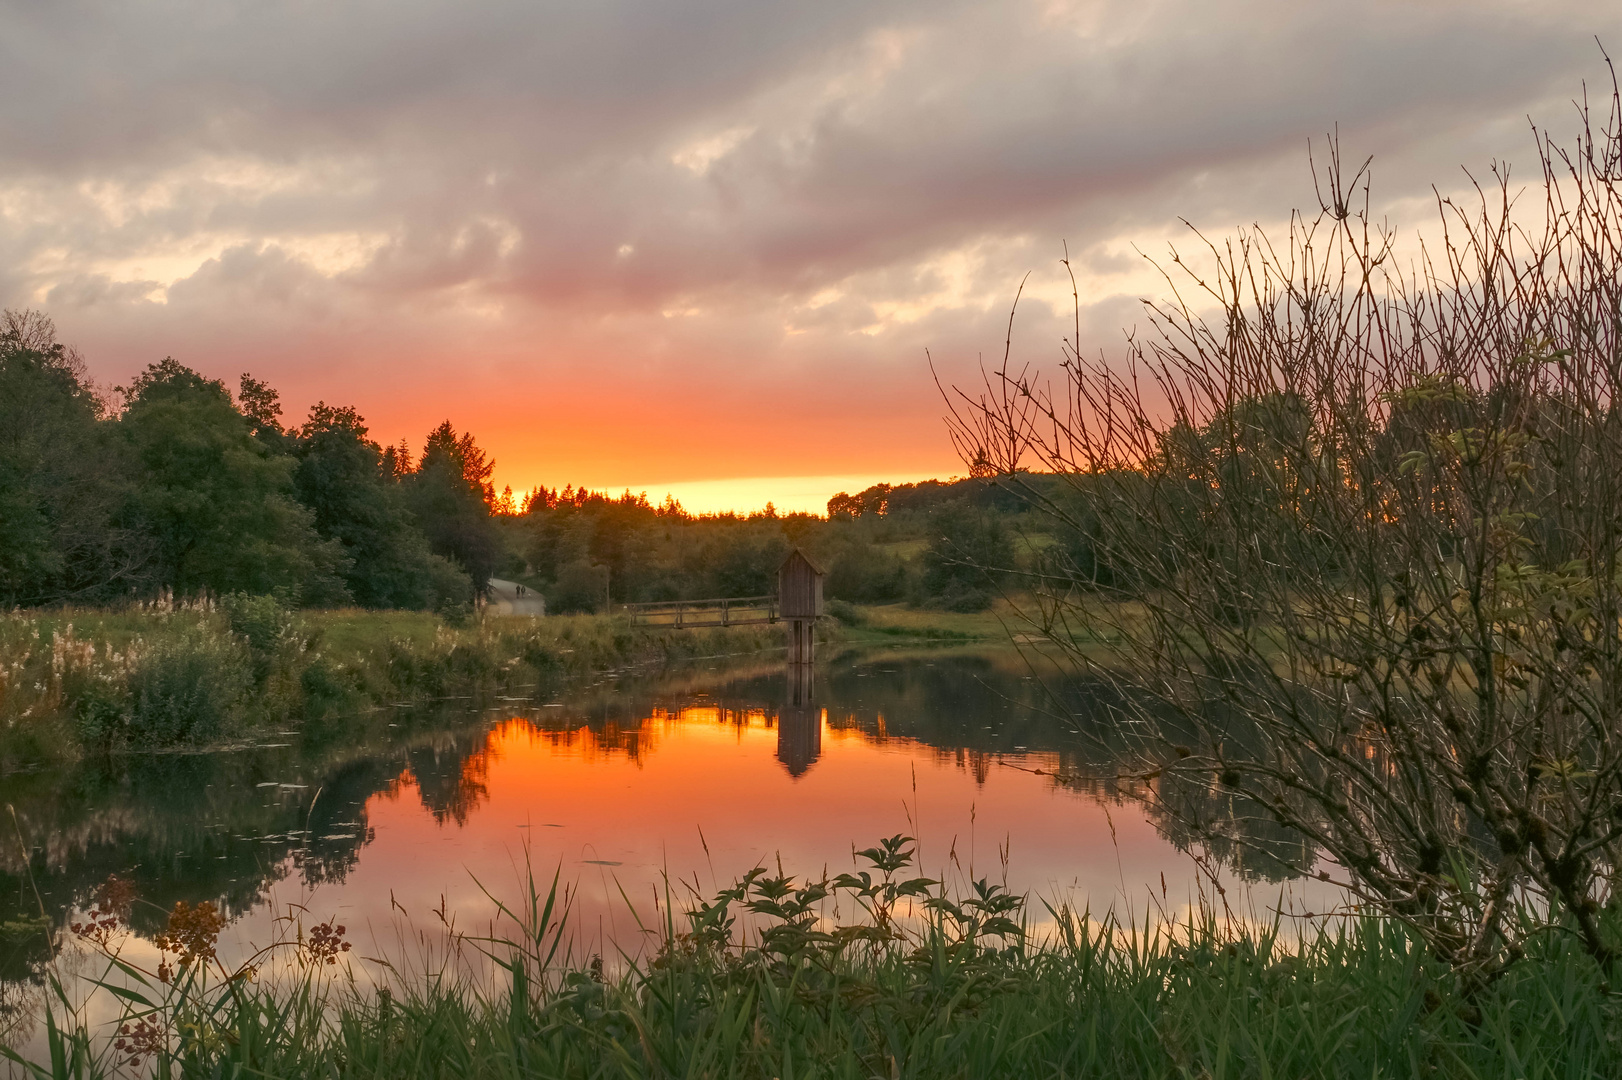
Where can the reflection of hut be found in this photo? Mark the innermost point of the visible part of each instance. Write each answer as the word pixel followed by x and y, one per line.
pixel 799 740
pixel 799 724
pixel 799 602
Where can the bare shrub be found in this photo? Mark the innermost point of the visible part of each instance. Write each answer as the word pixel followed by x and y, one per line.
pixel 1345 531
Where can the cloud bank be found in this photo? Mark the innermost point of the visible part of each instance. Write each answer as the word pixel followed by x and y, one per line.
pixel 638 242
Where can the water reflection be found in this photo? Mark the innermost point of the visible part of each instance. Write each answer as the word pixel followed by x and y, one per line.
pixel 799 725
pixel 619 782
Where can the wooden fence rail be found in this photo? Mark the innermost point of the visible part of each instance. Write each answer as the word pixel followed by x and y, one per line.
pixel 694 614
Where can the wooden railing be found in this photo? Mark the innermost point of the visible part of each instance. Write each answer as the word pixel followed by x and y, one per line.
pixel 693 614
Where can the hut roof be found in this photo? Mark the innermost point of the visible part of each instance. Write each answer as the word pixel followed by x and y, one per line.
pixel 816 567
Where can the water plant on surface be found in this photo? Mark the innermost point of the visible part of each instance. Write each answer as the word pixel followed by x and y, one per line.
pixel 867 974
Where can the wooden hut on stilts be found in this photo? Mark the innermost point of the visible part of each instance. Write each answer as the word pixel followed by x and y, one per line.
pixel 799 602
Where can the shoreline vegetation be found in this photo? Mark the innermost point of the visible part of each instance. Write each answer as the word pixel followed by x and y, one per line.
pixel 165 676
pixel 866 974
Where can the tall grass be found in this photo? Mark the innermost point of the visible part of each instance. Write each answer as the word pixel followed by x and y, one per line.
pixel 196 674
pixel 201 674
pixel 762 981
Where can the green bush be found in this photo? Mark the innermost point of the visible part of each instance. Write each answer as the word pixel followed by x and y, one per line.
pixel 186 688
pixel 449 583
pixel 455 613
pixel 323 684
pixel 100 707
pixel 846 612
pixel 867 575
pixel 964 562
pixel 263 620
pixel 580 589
pixel 963 597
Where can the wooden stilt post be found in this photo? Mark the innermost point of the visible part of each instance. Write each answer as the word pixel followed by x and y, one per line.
pixel 802 641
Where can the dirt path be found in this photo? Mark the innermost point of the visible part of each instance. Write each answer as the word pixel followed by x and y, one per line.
pixel 504 599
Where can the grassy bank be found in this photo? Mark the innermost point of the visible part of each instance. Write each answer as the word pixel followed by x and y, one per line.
pixel 958 992
pixel 165 676
pixel 75 682
pixel 877 624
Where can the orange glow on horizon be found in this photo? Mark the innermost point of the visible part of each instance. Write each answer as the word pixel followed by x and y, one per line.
pixel 749 494
pixel 715 448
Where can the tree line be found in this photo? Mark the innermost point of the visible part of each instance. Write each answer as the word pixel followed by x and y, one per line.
pixel 937 544
pixel 176 483
pixel 172 483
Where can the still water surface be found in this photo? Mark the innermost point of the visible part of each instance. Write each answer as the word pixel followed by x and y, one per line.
pixel 626 786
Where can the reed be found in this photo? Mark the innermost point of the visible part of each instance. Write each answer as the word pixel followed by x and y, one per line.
pixel 913 980
pixel 206 673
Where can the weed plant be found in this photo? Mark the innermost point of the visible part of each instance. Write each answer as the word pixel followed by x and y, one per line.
pixel 872 974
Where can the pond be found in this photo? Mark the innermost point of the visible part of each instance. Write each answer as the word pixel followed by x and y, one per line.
pixel 634 789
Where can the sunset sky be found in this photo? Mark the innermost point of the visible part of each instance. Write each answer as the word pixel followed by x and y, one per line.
pixel 697 246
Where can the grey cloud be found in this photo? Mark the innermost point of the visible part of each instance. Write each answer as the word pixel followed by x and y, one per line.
pixel 98 83
pixel 517 157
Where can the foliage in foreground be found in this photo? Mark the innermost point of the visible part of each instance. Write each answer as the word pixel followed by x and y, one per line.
pixel 913 982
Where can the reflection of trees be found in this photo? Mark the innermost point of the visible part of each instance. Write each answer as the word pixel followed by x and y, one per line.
pixel 26 945
pixel 336 826
pixel 174 823
pixel 972 710
pixel 200 827
pixel 186 827
pixel 451 775
pixel 949 702
pixel 977 708
pixel 1230 828
pixel 608 738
